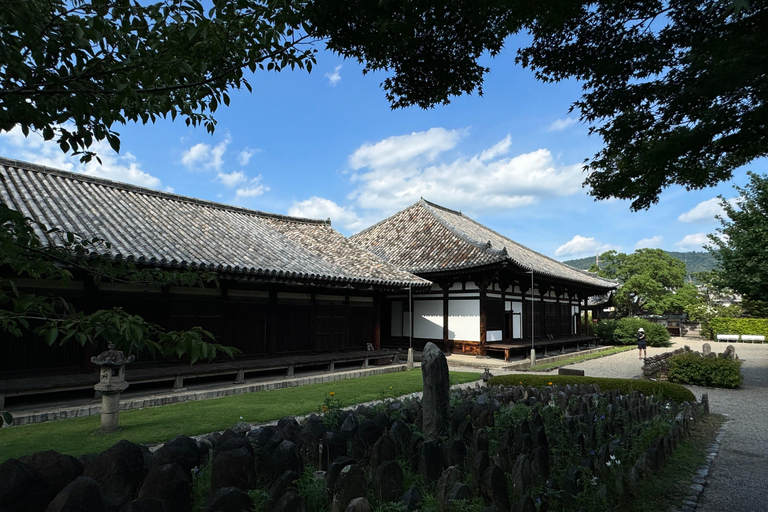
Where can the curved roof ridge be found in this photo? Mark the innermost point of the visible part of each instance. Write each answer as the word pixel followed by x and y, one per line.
pixel 483 246
pixel 508 242
pixel 386 219
pixel 105 182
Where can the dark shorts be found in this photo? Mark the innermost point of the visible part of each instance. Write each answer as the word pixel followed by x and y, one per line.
pixel 642 345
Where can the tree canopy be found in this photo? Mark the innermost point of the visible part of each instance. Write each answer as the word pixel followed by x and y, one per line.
pixel 676 90
pixel 649 280
pixel 739 244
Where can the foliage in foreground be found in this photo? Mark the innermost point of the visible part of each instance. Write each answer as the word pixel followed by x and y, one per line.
pixel 624 332
pixel 605 430
pixel 718 372
pixel 661 390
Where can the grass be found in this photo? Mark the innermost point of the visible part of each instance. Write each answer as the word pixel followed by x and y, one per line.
pixel 667 489
pixel 154 425
pixel 543 367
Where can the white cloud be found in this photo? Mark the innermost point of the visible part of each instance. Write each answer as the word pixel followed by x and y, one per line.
pixel 397 171
pixel 500 148
pixel 693 242
pixel 334 77
pixel 579 246
pixel 120 168
pixel 412 150
pixel 561 124
pixel 650 243
pixel 703 212
pixel 124 168
pixel 321 208
pixel 245 156
pixel 254 189
pixel 232 179
pixel 205 157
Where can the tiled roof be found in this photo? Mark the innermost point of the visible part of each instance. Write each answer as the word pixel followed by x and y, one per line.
pixel 426 238
pixel 169 230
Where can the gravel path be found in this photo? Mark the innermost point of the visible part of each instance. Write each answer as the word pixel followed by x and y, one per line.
pixel 738 476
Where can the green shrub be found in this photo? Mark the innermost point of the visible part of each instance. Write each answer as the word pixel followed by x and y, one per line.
pixel 604 330
pixel 691 368
pixel 756 326
pixel 624 332
pixel 661 390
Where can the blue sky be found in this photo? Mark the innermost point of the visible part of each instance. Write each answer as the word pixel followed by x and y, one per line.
pixel 327 145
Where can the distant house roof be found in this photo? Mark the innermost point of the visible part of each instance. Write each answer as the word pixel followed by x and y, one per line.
pixel 426 238
pixel 173 231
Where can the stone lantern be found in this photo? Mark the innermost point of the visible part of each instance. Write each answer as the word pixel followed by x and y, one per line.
pixel 111 384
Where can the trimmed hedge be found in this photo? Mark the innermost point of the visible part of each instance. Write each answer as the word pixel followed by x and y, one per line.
pixel 661 390
pixel 756 326
pixel 624 332
pixel 717 372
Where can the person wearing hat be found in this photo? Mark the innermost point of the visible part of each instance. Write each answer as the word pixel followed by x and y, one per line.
pixel 642 343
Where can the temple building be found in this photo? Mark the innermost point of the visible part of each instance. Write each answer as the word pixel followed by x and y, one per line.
pixel 284 285
pixel 486 288
pixel 287 286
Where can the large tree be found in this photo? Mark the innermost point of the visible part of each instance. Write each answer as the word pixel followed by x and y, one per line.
pixel 649 280
pixel 740 243
pixel 73 70
pixel 675 89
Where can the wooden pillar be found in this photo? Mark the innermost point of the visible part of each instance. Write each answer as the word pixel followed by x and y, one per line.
pixel 377 322
pixel 347 341
pixel 483 327
pixel 272 323
pixel 446 298
pixel 313 322
pixel 504 326
pixel 542 327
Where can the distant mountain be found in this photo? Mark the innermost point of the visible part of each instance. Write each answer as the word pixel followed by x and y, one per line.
pixel 694 261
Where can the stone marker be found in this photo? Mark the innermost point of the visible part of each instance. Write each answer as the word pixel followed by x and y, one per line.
pixel 706 349
pixel 434 369
pixel 570 371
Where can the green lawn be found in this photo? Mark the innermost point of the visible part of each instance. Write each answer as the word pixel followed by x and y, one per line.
pixel 577 359
pixel 158 424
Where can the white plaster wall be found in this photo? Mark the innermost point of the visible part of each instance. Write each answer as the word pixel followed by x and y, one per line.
pixel 517 320
pixel 574 314
pixel 428 319
pixel 464 320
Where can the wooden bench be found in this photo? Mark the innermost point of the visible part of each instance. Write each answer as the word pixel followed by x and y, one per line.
pixel 177 374
pixel 727 337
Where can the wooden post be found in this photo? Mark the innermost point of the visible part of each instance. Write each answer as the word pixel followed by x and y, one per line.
pixel 377 322
pixel 446 298
pixel 272 323
pixel 483 327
